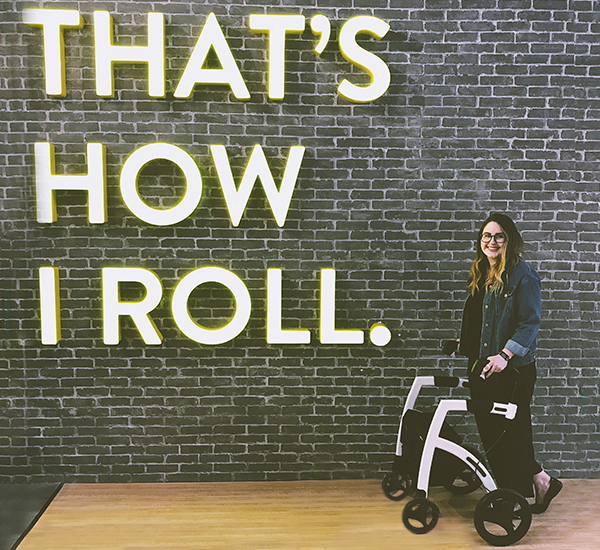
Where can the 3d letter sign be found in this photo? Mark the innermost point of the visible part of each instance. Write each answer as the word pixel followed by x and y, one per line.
pixel 274 29
pixel 54 22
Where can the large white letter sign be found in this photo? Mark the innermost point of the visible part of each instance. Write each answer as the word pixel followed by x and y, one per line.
pixel 49 306
pixel 194 73
pixel 275 334
pixel 113 308
pixel 167 216
pixel 46 182
pixel 277 26
pixel 257 167
pixel 52 23
pixel 328 332
pixel 376 67
pixel 193 330
pixel 106 54
pixel 320 25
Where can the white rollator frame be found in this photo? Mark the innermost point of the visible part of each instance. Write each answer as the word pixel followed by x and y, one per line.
pixel 502 516
pixel 435 441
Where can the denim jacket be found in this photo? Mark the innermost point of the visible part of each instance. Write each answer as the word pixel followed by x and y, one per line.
pixel 510 317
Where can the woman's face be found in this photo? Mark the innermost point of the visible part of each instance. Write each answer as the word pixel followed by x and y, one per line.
pixel 492 233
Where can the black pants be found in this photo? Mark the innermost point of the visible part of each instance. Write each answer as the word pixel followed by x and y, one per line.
pixel 508 443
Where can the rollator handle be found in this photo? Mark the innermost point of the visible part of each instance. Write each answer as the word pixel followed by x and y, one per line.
pixel 449 346
pixel 507 410
pixel 440 381
pixel 446 381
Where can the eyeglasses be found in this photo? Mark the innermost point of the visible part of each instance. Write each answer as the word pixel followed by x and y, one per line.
pixel 498 237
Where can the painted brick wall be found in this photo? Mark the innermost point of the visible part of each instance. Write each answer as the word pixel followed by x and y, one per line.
pixel 493 105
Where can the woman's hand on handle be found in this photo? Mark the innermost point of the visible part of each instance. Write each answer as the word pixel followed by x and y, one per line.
pixel 496 363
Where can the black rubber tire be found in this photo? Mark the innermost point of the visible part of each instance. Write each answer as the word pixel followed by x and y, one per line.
pixel 467 480
pixel 502 517
pixel 396 485
pixel 420 515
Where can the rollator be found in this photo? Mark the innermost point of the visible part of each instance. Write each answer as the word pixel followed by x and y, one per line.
pixel 430 452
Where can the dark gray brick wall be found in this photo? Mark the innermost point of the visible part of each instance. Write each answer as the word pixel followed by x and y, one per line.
pixel 493 105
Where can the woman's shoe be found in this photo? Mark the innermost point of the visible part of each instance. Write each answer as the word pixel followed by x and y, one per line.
pixel 553 490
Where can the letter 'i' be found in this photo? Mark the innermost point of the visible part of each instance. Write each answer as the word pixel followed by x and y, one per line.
pixel 49 305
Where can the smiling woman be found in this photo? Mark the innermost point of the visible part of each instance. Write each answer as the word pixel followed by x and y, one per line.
pixel 499 330
pixel 492 244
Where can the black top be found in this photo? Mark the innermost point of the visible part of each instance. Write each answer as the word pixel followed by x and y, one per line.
pixel 470 337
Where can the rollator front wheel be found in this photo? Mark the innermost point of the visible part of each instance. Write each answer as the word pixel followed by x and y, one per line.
pixel 396 485
pixel 420 515
pixel 502 517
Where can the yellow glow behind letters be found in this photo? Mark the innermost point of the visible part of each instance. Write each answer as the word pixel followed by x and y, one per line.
pixel 275 334
pixel 257 167
pixel 49 306
pixel 113 308
pixel 193 330
pixel 328 332
pixel 107 54
pixel 129 190
pixel 376 67
pixel 52 23
pixel 277 26
pixel 212 36
pixel 46 182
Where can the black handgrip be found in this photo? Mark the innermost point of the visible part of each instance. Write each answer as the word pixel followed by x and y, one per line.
pixel 449 347
pixel 446 381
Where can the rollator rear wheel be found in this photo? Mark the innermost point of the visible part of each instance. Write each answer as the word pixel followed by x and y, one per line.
pixel 396 485
pixel 502 517
pixel 420 515
pixel 466 481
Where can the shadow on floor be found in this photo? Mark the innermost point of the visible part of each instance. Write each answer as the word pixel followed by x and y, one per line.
pixel 20 507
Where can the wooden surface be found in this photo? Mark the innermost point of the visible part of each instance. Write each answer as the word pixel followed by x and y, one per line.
pixel 307 515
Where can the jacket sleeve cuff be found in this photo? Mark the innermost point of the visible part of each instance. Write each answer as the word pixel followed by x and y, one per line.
pixel 516 348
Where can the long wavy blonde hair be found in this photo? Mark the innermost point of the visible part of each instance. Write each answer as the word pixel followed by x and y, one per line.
pixel 491 277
